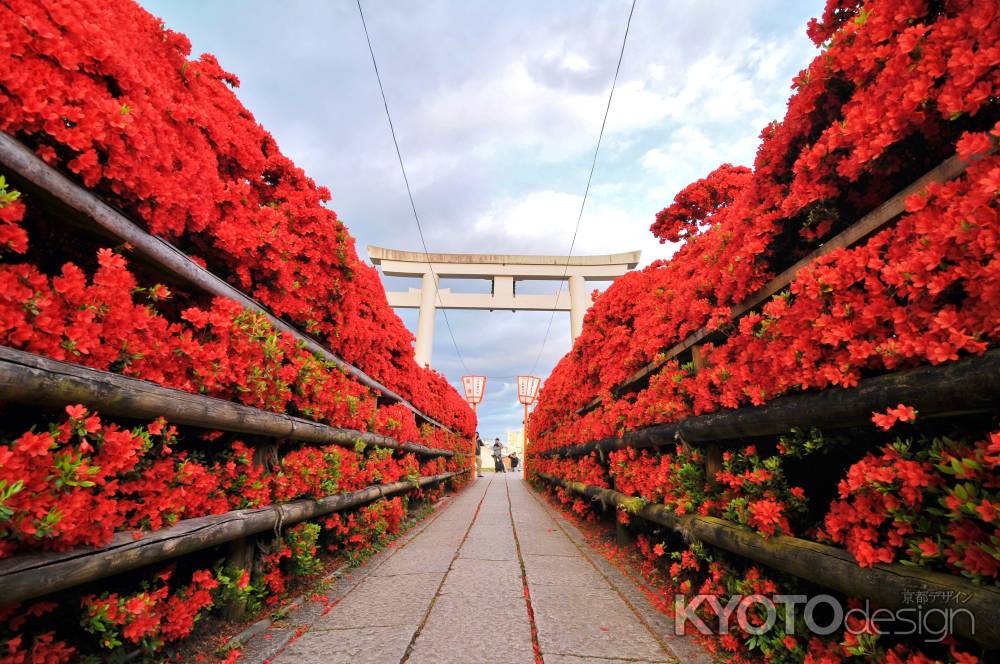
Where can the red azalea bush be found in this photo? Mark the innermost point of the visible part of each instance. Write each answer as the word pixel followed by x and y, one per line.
pixel 359 533
pixel 162 611
pixel 109 321
pixel 694 571
pixel 675 480
pixel 12 236
pixel 587 470
pixel 921 291
pixel 928 503
pixel 109 95
pixel 935 505
pixel 396 421
pixel 150 617
pixel 695 205
pixel 754 492
pixel 668 568
pixel 750 489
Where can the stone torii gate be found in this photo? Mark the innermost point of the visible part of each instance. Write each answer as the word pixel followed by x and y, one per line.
pixel 504 272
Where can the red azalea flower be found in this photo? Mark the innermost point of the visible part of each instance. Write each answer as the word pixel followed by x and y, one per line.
pixel 929 548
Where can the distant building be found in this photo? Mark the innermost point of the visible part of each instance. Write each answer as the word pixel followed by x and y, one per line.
pixel 515 441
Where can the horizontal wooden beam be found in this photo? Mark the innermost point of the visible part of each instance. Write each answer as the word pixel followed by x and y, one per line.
pixel 44 181
pixel 33 379
pixel 827 566
pixel 969 385
pixel 34 575
pixel 862 229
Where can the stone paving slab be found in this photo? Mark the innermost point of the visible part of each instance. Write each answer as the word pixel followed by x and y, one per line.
pixel 461 515
pixel 500 520
pixel 546 545
pixel 377 645
pixel 485 577
pixel 418 559
pixel 591 622
pixel 496 515
pixel 382 601
pixel 466 627
pixel 500 532
pixel 489 547
pixel 447 536
pixel 575 572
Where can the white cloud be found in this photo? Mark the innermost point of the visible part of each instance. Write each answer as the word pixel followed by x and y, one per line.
pixel 576 63
pixel 543 222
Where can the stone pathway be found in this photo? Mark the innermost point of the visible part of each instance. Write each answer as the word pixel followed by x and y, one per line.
pixel 472 583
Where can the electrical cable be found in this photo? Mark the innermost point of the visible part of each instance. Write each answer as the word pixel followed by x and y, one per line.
pixel 409 192
pixel 586 191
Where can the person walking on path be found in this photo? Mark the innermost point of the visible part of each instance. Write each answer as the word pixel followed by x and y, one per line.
pixel 479 454
pixel 498 457
pixel 514 461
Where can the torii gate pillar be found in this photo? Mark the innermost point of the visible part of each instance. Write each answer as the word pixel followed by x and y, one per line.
pixel 504 272
pixel 578 305
pixel 425 323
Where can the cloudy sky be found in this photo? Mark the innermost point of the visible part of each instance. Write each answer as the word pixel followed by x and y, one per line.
pixel 497 107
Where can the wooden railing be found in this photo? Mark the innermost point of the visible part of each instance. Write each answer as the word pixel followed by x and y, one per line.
pixel 970 386
pixel 967 386
pixel 32 379
pixel 36 574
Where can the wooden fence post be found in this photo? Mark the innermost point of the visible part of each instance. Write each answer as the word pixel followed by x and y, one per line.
pixel 240 553
pixel 712 451
pixel 623 536
pixel 239 556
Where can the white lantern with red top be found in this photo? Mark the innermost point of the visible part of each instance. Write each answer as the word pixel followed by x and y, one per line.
pixel 474 387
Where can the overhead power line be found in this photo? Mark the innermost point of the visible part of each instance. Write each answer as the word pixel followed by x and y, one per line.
pixel 586 191
pixel 409 191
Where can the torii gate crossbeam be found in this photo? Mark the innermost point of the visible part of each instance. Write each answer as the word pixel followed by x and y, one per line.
pixel 503 271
